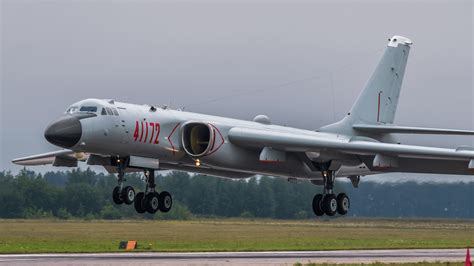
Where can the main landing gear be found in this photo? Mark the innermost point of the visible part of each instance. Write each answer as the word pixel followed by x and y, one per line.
pixel 328 203
pixel 149 201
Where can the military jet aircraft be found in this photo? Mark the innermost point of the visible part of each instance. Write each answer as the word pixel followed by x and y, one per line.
pixel 126 137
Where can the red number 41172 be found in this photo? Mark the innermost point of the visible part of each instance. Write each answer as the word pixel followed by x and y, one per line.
pixel 147 132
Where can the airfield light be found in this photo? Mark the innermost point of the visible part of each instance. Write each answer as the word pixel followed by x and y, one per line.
pixel 198 162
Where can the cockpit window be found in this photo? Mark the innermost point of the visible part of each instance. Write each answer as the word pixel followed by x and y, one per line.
pixel 115 111
pixel 109 111
pixel 72 110
pixel 91 109
pixel 103 111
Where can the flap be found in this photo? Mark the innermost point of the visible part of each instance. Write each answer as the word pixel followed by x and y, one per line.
pixel 385 129
pixel 270 155
pixel 66 161
pixel 383 161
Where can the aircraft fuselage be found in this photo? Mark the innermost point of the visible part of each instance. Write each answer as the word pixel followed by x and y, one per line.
pixel 150 132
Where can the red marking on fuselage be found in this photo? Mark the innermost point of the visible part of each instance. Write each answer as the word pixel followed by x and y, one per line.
pixel 213 139
pixel 141 129
pixel 378 109
pixel 158 128
pixel 146 135
pixel 135 134
pixel 222 138
pixel 382 167
pixel 169 138
pixel 152 125
pixel 270 161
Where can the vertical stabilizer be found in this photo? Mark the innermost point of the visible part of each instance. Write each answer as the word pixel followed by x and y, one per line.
pixel 377 103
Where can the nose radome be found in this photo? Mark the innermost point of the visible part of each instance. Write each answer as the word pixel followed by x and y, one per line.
pixel 64 132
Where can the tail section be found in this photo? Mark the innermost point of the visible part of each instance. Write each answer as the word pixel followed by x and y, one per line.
pixel 377 103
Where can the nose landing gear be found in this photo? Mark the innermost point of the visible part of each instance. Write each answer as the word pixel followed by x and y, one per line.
pixel 122 194
pixel 125 195
pixel 328 203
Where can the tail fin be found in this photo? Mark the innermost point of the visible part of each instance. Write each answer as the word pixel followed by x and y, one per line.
pixel 377 103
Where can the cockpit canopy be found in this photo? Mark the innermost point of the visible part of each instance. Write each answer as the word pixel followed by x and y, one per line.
pixel 85 106
pixel 92 106
pixel 82 109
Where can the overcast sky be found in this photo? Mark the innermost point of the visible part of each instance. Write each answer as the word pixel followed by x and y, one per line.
pixel 285 59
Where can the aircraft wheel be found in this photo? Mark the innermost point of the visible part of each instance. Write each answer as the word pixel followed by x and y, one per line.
pixel 317 205
pixel 128 195
pixel 165 201
pixel 116 196
pixel 343 203
pixel 152 204
pixel 330 204
pixel 139 202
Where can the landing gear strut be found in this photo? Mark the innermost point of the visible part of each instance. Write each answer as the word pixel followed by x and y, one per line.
pixel 151 201
pixel 120 193
pixel 328 203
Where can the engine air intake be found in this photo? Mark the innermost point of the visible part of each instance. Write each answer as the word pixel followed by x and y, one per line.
pixel 197 138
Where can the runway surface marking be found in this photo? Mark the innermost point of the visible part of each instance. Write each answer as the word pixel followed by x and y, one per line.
pixel 238 258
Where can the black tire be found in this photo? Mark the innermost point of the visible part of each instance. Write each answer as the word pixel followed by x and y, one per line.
pixel 343 203
pixel 116 196
pixel 317 205
pixel 165 201
pixel 139 202
pixel 329 204
pixel 128 195
pixel 152 204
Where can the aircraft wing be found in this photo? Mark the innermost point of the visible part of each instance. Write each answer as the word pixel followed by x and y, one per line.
pixel 56 158
pixel 294 142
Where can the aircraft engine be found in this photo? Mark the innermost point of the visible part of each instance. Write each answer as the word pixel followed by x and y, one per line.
pixel 199 139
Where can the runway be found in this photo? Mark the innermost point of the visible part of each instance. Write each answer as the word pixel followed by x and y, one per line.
pixel 238 258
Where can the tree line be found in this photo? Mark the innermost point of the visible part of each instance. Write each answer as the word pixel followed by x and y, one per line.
pixel 86 194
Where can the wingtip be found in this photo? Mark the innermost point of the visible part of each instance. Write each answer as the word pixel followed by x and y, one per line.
pixel 18 161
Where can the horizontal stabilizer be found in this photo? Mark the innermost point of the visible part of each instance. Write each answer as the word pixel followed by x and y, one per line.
pixel 385 129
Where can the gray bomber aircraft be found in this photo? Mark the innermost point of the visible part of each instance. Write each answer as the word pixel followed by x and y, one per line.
pixel 126 137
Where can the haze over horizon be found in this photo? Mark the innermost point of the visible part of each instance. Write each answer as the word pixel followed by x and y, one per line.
pixel 301 63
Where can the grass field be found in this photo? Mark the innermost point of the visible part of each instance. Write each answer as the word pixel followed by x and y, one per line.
pixel 32 236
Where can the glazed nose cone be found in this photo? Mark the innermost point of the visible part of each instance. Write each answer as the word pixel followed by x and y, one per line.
pixel 64 132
